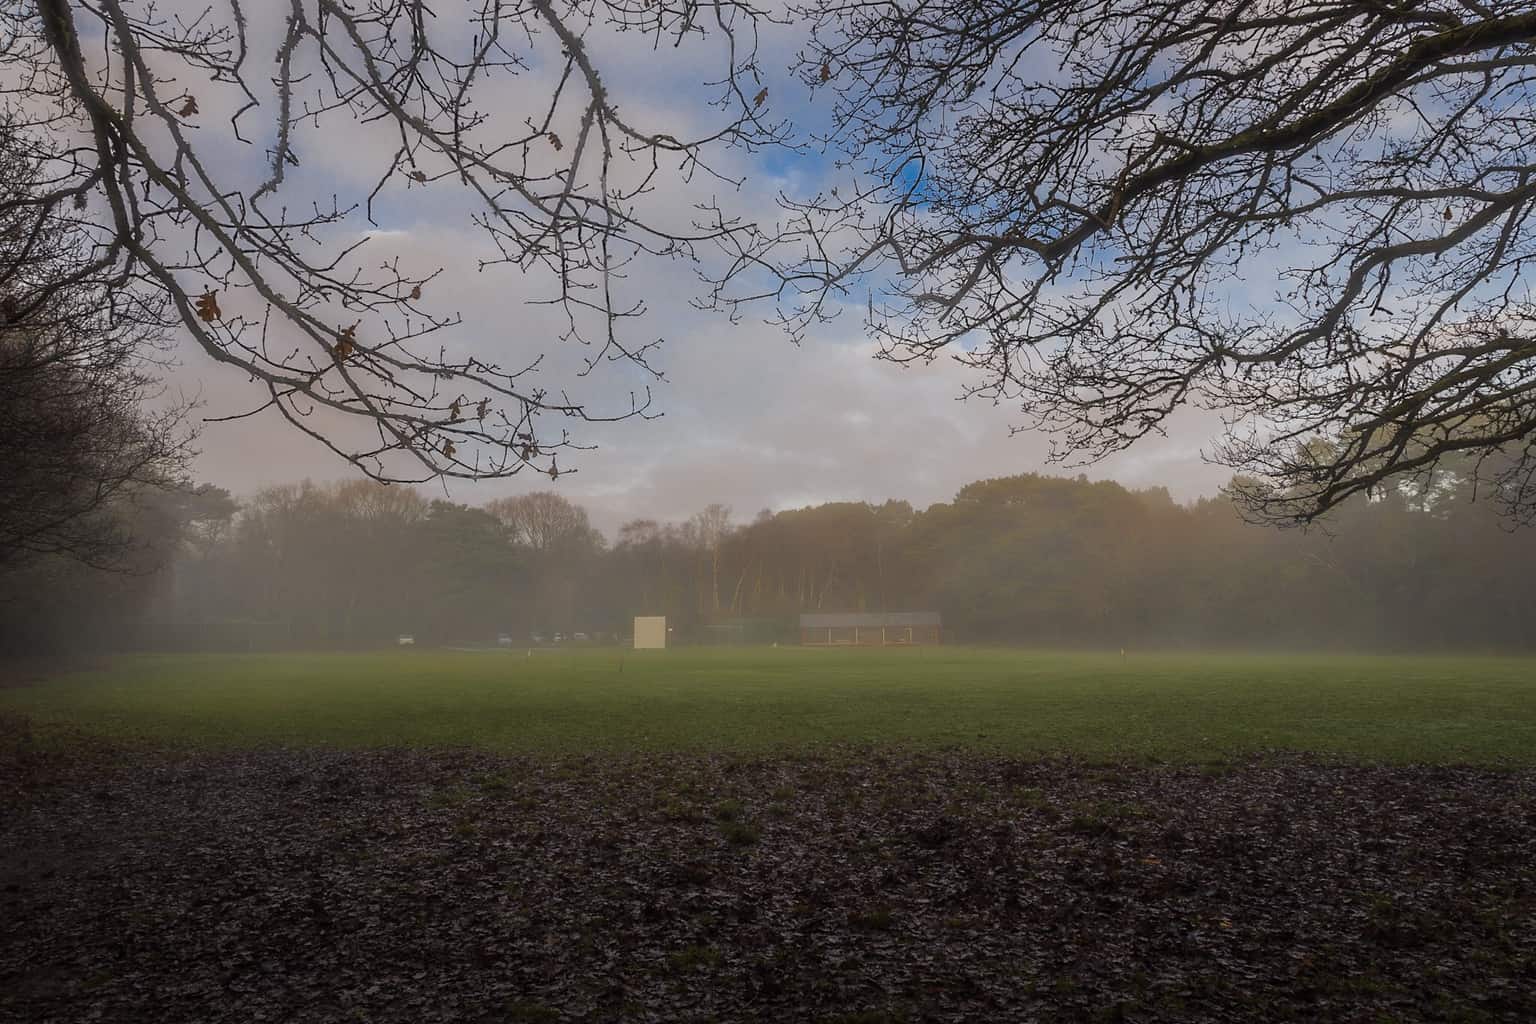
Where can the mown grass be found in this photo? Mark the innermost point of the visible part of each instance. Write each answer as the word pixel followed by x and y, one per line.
pixel 1155 706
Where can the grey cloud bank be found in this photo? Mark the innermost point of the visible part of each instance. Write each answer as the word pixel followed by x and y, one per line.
pixel 754 422
pixel 748 419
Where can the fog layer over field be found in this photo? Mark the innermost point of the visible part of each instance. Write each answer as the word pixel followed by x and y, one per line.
pixel 1033 560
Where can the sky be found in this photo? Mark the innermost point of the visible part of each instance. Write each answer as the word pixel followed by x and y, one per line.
pixel 754 422
pixel 747 418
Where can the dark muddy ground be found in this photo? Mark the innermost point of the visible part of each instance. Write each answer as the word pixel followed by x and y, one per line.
pixel 853 886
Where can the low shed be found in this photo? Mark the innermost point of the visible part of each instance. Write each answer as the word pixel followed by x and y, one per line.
pixel 871 629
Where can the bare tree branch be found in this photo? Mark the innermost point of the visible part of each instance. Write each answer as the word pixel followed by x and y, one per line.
pixel 77 369
pixel 119 101
pixel 1314 217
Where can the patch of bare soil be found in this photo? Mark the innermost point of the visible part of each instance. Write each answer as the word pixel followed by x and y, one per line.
pixel 855 887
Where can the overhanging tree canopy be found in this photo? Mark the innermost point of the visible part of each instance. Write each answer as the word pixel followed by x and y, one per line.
pixel 79 439
pixel 1313 216
pixel 183 131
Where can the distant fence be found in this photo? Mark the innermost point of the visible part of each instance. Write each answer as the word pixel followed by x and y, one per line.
pixel 871 629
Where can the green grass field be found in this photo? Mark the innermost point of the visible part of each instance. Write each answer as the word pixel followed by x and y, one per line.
pixel 1165 707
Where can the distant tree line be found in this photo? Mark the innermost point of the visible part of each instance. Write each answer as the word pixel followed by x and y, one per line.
pixel 1071 237
pixel 1027 559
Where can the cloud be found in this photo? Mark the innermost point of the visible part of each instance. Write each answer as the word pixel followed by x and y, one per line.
pixel 753 421
pixel 750 419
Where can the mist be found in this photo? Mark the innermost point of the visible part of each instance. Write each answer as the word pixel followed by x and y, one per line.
pixel 1029 560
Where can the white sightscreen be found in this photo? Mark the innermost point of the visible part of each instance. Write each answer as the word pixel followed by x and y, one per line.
pixel 650 632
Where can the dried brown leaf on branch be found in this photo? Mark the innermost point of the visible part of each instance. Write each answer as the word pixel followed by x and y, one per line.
pixel 346 342
pixel 208 307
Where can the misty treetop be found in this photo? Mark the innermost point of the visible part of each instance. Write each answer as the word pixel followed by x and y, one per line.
pixel 1024 559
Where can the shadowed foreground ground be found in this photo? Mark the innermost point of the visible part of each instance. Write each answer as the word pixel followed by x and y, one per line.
pixel 392 886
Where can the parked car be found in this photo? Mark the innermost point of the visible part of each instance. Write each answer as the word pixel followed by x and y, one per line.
pixel 405 640
pixel 580 638
pixel 503 639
